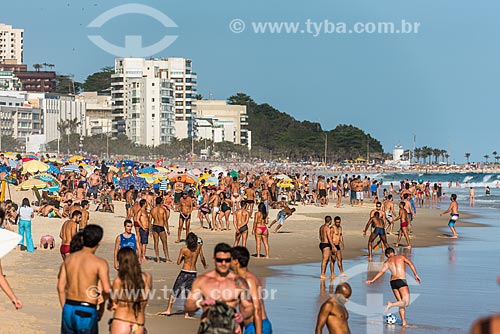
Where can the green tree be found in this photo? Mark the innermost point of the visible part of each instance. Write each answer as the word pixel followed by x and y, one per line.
pixel 486 157
pixel 495 156
pixel 66 85
pixel 9 143
pixel 242 100
pixel 99 81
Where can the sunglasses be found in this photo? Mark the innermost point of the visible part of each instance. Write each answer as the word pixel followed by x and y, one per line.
pixel 226 260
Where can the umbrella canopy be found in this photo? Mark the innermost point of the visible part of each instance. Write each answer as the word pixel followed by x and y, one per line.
pixel 32 184
pixel 47 178
pixel 129 163
pixel 162 170
pixel 30 156
pixel 148 170
pixel 183 178
pixel 136 181
pixel 282 176
pixel 53 169
pixel 286 185
pixel 212 181
pixel 113 169
pixel 233 173
pixel 196 171
pixel 8 240
pixel 149 178
pixel 34 166
pixel 76 158
pixel 71 168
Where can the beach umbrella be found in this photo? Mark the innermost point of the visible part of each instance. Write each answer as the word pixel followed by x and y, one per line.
pixel 148 170
pixel 212 181
pixel 184 179
pixel 128 163
pixel 149 178
pixel 136 181
pixel 71 168
pixel 4 169
pixel 34 166
pixel 8 240
pixel 75 158
pixel 47 178
pixel 113 169
pixel 233 173
pixel 56 161
pixel 162 170
pixel 32 184
pixel 53 169
pixel 196 171
pixel 286 185
pixel 282 176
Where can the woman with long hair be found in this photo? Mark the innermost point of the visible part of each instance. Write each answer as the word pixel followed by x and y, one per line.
pixel 260 229
pixel 130 295
pixel 26 214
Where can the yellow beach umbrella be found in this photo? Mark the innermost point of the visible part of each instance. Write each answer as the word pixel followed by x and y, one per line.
pixel 32 184
pixel 162 170
pixel 34 166
pixel 76 158
pixel 114 169
pixel 150 179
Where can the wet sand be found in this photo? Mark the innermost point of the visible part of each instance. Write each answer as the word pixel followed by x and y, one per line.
pixel 34 276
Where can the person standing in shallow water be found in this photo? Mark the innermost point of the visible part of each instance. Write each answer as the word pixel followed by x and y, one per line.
pixel 397 265
pixel 453 210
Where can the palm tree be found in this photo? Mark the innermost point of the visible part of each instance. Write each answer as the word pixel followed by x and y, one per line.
pixel 486 157
pixel 447 156
pixel 37 67
pixel 417 153
pixel 467 156
pixel 436 153
pixel 494 155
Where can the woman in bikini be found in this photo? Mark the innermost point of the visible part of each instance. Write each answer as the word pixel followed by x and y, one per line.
pixel 260 229
pixel 130 295
pixel 225 210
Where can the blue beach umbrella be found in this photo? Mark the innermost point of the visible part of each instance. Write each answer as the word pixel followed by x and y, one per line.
pixel 148 170
pixel 53 169
pixel 71 168
pixel 137 182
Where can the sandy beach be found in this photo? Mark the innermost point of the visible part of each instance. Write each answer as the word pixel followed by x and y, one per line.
pixel 34 276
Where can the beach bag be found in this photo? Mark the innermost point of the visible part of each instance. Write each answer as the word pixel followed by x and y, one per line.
pixel 219 320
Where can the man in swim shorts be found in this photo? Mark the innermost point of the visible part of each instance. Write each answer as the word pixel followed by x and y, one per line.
pixel 241 217
pixel 377 230
pixel 77 285
pixel 453 210
pixel 325 245
pixel 397 265
pixel 185 210
pixel 333 313
pixel 68 230
pixel 159 219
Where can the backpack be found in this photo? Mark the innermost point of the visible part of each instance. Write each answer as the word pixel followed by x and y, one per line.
pixel 219 320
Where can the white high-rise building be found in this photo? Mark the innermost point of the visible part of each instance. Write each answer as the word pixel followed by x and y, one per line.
pixel 11 44
pixel 149 96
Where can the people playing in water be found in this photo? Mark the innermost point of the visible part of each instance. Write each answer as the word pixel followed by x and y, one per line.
pixel 453 210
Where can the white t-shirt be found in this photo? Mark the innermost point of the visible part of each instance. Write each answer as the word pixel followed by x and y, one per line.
pixel 25 212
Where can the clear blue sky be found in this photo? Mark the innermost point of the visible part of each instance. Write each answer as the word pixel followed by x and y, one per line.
pixel 441 84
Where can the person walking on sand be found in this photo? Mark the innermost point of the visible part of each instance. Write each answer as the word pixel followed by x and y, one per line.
pixel 333 313
pixel 26 214
pixel 453 210
pixel 68 230
pixel 397 265
pixel 184 282
pixel 241 217
pixel 325 245
pixel 77 285
pixel 142 219
pixel 404 226
pixel 260 229
pixel 130 295
pixel 185 206
pixel 126 239
pixel 158 224
pixel 376 225
pixel 337 238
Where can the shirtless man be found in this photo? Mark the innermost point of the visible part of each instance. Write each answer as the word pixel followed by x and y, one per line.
pixel 337 238
pixel 142 219
pixel 178 190
pixel 85 214
pixel 94 182
pixel 241 217
pixel 472 195
pixel 184 282
pixel 80 193
pixel 185 208
pixel 321 187
pixel 250 195
pixel 378 209
pixel 389 213
pixel 82 177
pixel 376 225
pixel 265 197
pixel 221 290
pixel 333 312
pixel 68 230
pixel 235 186
pixel 397 265
pixel 129 201
pixel 77 285
pixel 325 245
pixel 258 323
pixel 453 210
pixel 158 223
pixel 404 226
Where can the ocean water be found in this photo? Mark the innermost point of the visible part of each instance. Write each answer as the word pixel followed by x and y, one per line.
pixel 458 286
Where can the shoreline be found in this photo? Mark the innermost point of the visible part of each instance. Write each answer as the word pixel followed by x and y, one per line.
pixel 34 276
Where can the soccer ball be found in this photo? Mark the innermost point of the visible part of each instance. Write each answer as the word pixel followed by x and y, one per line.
pixel 390 319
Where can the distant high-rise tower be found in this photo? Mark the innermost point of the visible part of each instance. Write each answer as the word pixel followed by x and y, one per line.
pixel 11 44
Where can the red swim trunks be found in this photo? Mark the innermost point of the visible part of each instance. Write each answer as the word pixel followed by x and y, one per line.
pixel 64 249
pixel 404 224
pixel 136 224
